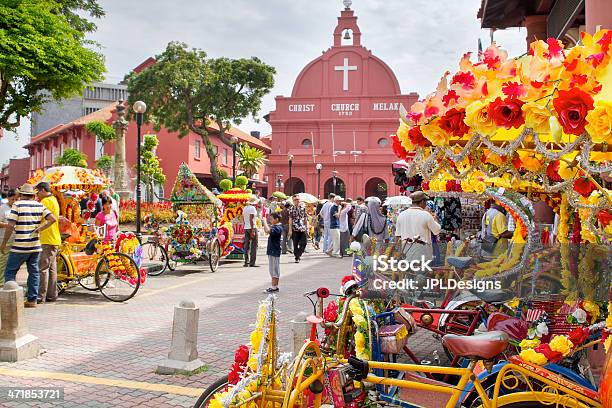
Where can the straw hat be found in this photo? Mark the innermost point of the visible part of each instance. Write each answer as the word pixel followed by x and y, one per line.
pixel 418 196
pixel 27 189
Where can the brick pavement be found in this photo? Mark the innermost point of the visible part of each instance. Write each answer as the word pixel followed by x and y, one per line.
pixel 85 334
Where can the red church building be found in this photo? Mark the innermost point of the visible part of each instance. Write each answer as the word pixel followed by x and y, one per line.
pixel 332 133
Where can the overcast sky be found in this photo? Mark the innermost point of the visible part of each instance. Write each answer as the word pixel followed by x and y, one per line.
pixel 418 39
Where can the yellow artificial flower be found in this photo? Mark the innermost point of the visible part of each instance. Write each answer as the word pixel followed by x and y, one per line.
pixel 355 307
pixel 599 122
pixel 477 118
pixel 493 158
pixel 514 303
pixel 599 157
pixel 536 117
pixel 435 134
pixel 532 356
pixel 529 344
pixel 402 131
pixel 360 321
pixel 530 160
pixel 591 308
pixel 562 344
pixel 555 128
pixel 567 171
pixel 608 344
pixel 256 336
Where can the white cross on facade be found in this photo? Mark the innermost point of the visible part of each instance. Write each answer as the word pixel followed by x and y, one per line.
pixel 345 68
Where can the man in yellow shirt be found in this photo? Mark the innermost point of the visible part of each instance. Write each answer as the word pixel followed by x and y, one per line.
pixel 495 230
pixel 50 240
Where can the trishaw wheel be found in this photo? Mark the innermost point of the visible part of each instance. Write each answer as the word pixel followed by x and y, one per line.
pixel 214 256
pixel 88 282
pixel 154 258
pixel 118 277
pixel 63 274
pixel 209 393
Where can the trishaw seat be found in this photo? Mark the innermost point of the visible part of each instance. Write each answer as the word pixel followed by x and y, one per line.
pixel 460 262
pixel 484 346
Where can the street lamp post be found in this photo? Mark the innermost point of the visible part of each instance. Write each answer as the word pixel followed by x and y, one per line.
pixel 334 180
pixel 139 108
pixel 234 141
pixel 319 166
pixel 290 157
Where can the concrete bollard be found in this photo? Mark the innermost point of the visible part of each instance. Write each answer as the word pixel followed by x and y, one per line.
pixel 300 332
pixel 183 355
pixel 16 344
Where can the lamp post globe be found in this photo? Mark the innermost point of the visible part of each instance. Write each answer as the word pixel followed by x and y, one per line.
pixel 290 157
pixel 319 166
pixel 139 108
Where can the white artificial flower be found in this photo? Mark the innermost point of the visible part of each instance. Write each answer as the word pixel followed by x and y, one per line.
pixel 580 315
pixel 541 329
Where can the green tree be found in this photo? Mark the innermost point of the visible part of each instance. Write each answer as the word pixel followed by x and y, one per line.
pixel 151 172
pixel 72 157
pixel 42 57
pixel 185 91
pixel 104 163
pixel 102 131
pixel 73 11
pixel 250 159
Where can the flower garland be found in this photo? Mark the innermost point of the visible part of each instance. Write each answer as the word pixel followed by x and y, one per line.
pixel 537 352
pixel 362 335
pixel 120 267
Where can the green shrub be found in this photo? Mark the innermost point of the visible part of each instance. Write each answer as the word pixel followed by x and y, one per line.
pixel 241 181
pixel 225 184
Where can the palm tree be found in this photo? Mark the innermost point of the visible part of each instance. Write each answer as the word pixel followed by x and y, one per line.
pixel 250 159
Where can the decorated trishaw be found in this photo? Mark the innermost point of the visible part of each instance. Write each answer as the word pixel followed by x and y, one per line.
pixel 507 131
pixel 232 224
pixel 195 236
pixel 84 257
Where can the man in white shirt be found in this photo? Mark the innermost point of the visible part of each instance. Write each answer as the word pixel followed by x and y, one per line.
pixel 249 216
pixel 416 221
pixel 324 214
pixel 5 210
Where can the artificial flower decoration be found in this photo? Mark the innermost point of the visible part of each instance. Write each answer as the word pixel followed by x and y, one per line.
pixel 536 117
pixel 434 133
pixel 452 122
pixel 599 122
pixel 477 117
pixel 572 107
pixel 507 112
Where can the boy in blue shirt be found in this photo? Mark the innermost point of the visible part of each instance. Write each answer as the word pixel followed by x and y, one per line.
pixel 274 249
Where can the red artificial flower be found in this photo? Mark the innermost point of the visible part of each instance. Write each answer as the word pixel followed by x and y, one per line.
pixel 584 186
pixel 552 171
pixel 516 162
pixel 514 90
pixel 572 107
pixel 604 217
pixel 425 185
pixel 416 137
pixel 397 148
pixel 555 48
pixel 451 96
pixel 507 112
pixel 578 335
pixel 331 312
pixel 346 278
pixel 233 376
pixel 241 356
pixel 452 122
pixel 552 356
pixel 465 79
pixel 491 59
pixel 578 79
pixel 537 84
pixel 431 111
pixel 596 59
pixel 570 66
pixel 485 89
pixel 414 117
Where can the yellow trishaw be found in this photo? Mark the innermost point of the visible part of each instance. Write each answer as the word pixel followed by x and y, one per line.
pixel 83 256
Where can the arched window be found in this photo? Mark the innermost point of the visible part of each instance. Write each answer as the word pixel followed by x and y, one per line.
pixel 376 187
pixel 294 185
pixel 383 142
pixel 307 143
pixel 338 189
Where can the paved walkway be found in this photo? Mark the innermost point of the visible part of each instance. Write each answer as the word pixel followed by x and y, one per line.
pixel 104 354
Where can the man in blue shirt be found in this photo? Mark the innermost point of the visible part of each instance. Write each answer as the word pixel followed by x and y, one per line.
pixel 334 228
pixel 274 249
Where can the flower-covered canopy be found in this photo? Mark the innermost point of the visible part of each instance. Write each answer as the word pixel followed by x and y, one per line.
pixel 543 119
pixel 71 179
pixel 541 122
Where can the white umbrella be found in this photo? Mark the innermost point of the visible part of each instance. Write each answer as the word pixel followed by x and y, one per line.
pixel 307 198
pixel 398 201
